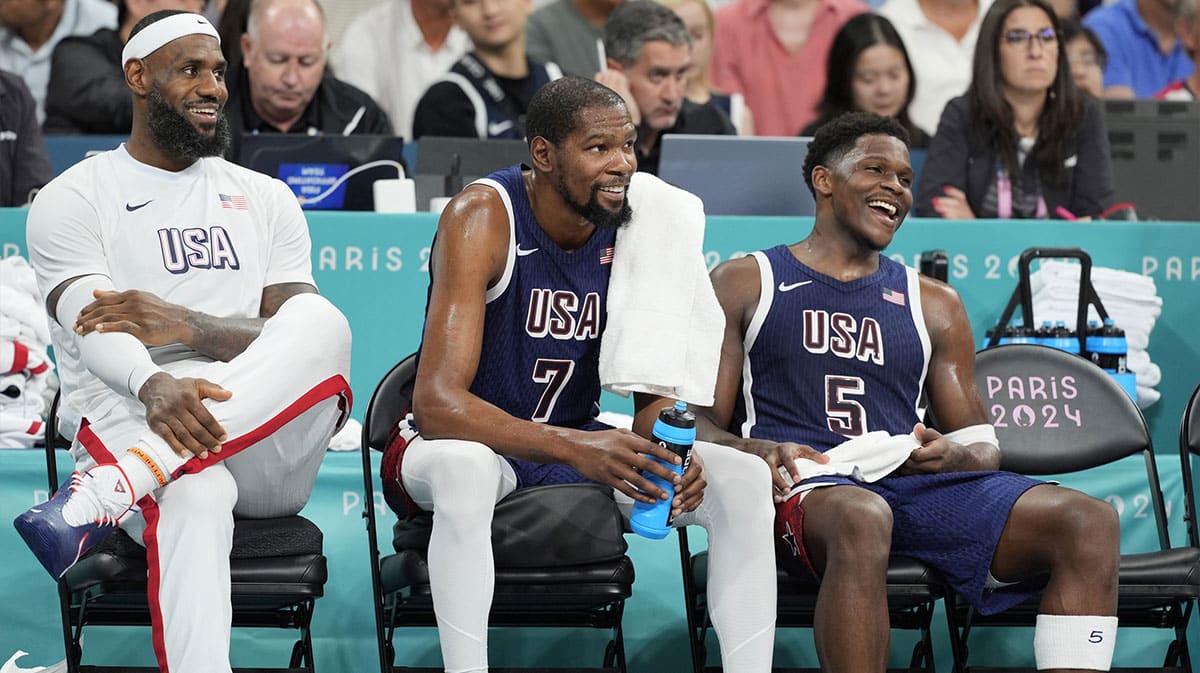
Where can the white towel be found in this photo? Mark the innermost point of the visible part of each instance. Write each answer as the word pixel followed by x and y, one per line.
pixel 20 412
pixel 665 325
pixel 868 459
pixel 27 310
pixel 16 272
pixel 16 357
pixel 349 438
pixel 1131 300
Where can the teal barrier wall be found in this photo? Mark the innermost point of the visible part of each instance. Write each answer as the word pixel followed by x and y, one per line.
pixel 375 268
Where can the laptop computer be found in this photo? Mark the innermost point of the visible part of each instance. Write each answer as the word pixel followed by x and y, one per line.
pixel 446 165
pixel 314 166
pixel 736 175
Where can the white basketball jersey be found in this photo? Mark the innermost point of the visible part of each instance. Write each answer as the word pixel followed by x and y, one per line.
pixel 209 237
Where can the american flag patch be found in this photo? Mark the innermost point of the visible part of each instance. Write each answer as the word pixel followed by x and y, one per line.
pixel 606 255
pixel 233 201
pixel 894 296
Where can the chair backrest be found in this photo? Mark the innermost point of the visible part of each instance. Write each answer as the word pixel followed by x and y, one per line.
pixel 54 440
pixel 1056 412
pixel 1189 445
pixel 1189 427
pixel 390 402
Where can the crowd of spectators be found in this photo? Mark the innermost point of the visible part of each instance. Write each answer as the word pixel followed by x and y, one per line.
pixel 768 67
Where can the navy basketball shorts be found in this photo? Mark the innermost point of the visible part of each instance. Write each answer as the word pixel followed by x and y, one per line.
pixel 950 522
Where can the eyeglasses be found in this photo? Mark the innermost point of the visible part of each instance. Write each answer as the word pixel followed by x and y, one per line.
pixel 1045 37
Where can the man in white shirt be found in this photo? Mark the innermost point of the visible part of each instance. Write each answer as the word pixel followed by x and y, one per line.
pixel 940 36
pixel 32 28
pixel 206 373
pixel 422 43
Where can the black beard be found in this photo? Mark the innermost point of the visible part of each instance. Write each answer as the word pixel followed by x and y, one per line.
pixel 176 136
pixel 592 211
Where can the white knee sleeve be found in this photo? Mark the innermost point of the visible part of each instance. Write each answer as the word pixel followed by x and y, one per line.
pixel 1069 641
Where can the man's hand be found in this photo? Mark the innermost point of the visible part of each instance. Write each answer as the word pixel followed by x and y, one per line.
pixel 618 457
pixel 153 321
pixel 936 454
pixel 781 457
pixel 689 493
pixel 617 81
pixel 174 411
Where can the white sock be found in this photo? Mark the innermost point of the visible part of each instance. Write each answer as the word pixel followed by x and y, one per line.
pixel 145 474
pixel 101 493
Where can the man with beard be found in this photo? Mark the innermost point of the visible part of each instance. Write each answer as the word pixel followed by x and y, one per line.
pixel 205 372
pixel 507 388
pixel 829 346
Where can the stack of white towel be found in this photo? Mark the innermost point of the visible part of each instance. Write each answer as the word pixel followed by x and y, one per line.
pixel 1131 300
pixel 26 379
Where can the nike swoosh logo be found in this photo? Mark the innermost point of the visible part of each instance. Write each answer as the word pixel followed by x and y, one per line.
pixel 132 208
pixel 522 252
pixel 496 128
pixel 786 287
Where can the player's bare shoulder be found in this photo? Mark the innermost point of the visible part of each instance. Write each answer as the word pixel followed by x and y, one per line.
pixel 942 306
pixel 477 211
pixel 737 284
pixel 474 230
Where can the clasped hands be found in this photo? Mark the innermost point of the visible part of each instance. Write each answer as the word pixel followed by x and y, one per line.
pixel 174 406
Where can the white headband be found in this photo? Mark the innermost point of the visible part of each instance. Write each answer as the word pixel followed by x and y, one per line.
pixel 157 34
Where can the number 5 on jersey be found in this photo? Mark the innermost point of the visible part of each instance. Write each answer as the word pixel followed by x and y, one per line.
pixel 846 416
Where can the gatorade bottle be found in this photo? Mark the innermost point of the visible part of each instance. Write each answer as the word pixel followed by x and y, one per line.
pixel 1063 338
pixel 1022 334
pixel 1042 334
pixel 675 430
pixel 1108 348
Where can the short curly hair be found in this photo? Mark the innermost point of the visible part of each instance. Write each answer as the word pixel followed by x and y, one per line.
pixel 554 110
pixel 835 139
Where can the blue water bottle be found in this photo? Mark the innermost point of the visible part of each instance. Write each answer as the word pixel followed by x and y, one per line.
pixel 1063 338
pixel 1109 350
pixel 1042 335
pixel 1022 334
pixel 675 430
pixel 1108 347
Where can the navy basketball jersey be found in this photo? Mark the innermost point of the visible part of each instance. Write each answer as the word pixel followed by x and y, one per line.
pixel 827 360
pixel 541 336
pixel 499 113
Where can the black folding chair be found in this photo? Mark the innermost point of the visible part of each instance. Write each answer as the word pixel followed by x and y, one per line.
pixel 277 567
pixel 912 589
pixel 1056 414
pixel 587 588
pixel 1189 445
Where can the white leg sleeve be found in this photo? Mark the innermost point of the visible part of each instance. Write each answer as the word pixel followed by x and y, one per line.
pixel 461 482
pixel 738 514
pixel 1074 641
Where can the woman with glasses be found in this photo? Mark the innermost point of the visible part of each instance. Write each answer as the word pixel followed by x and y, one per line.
pixel 1023 142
